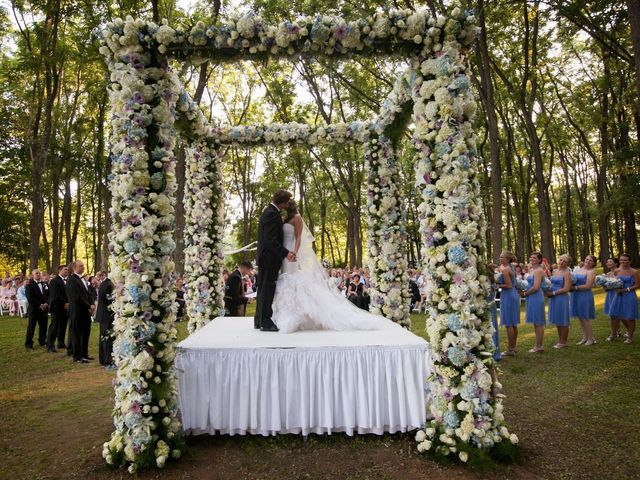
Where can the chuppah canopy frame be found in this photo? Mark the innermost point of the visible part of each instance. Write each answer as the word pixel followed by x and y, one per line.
pixel 150 109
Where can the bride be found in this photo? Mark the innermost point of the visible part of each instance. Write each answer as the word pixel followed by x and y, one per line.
pixel 305 299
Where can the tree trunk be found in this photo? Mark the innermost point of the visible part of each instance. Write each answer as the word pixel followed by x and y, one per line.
pixel 486 83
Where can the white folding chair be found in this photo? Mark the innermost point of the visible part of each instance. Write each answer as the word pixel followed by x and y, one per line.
pixel 22 308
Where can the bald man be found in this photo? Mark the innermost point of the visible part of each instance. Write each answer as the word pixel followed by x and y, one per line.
pixel 36 292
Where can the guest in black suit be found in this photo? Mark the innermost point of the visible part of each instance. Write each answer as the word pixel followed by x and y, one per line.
pixel 59 308
pixel 235 301
pixel 104 316
pixel 36 292
pixel 93 284
pixel 356 293
pixel 270 253
pixel 80 311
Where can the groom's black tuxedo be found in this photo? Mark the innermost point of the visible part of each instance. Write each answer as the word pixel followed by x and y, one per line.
pixel 270 254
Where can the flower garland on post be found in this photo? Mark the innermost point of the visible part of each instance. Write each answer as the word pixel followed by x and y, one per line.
pixel 386 232
pixel 466 403
pixel 204 230
pixel 143 184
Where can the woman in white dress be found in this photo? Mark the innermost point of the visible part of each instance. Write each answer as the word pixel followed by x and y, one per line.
pixel 306 298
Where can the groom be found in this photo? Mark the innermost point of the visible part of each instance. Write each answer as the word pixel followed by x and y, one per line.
pixel 270 254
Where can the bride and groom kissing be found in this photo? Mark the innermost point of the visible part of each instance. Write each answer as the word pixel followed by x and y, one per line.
pixel 294 291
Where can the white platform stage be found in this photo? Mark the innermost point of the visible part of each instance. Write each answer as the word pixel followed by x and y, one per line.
pixel 234 379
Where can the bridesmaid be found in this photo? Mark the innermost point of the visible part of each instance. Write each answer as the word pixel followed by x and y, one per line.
pixel 582 303
pixel 534 310
pixel 612 265
pixel 509 301
pixel 625 303
pixel 497 356
pixel 559 300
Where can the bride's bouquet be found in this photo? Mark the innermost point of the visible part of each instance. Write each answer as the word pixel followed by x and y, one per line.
pixel 608 282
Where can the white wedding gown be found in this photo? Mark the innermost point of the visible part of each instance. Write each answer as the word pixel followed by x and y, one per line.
pixel 306 299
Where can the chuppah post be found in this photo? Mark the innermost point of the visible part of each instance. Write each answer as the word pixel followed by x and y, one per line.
pixel 143 185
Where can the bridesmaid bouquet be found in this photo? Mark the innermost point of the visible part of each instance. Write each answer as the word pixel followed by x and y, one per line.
pixel 521 285
pixel 574 279
pixel 609 283
pixel 545 285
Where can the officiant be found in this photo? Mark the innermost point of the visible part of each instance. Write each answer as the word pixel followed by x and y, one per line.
pixel 235 300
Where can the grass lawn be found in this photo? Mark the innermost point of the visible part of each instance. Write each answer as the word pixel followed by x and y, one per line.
pixel 576 411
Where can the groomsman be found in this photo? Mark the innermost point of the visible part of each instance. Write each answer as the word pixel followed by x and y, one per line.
pixel 59 308
pixel 104 316
pixel 36 292
pixel 235 301
pixel 80 311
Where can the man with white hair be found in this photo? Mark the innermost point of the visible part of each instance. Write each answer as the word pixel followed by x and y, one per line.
pixel 36 292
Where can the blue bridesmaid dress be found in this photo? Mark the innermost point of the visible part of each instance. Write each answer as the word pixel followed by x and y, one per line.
pixel 509 305
pixel 494 321
pixel 625 305
pixel 559 304
pixel 608 299
pixel 534 309
pixel 582 303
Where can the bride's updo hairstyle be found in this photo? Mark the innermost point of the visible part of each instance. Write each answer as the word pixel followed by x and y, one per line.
pixel 292 209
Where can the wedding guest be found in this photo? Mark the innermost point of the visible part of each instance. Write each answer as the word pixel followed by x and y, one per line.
pixel 582 302
pixel 180 299
pixel 80 311
pixel 509 301
pixel 37 310
pixel 414 291
pixel 235 300
pixel 612 265
pixel 225 275
pixel 105 317
pixel 559 310
pixel 59 308
pixel 625 303
pixel 22 295
pixel 93 285
pixel 355 291
pixel 534 310
pixel 8 297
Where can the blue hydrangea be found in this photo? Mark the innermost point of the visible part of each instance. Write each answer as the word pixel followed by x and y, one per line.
pixel 123 348
pixel 464 162
pixel 461 84
pixel 468 392
pixel 457 255
pixel 442 149
pixel 457 356
pixel 134 294
pixel 132 419
pixel 444 65
pixel 452 419
pixel 131 246
pixel 454 322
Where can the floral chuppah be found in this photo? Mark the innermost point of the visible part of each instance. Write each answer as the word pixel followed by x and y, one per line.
pixel 148 102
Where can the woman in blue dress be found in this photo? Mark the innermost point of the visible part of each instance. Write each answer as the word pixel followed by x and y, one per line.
pixel 582 302
pixel 625 304
pixel 509 301
pixel 534 309
pixel 559 300
pixel 612 266
pixel 491 299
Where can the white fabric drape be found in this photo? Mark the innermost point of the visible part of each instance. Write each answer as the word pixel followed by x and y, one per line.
pixel 375 385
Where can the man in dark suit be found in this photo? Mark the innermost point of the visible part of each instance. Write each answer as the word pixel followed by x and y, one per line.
pixel 59 308
pixel 80 311
pixel 104 316
pixel 36 293
pixel 235 301
pixel 270 254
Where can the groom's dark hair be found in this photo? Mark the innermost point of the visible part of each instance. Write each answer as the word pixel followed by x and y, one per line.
pixel 281 196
